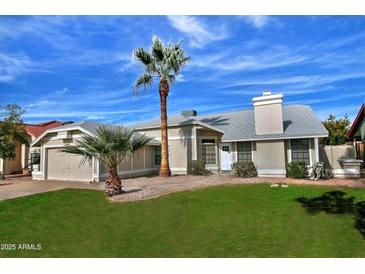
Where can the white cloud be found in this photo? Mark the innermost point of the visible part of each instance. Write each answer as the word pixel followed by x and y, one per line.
pixel 300 81
pixel 257 21
pixel 230 61
pixel 12 66
pixel 196 30
pixel 61 91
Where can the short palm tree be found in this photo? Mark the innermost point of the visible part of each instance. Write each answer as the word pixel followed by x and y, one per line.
pixel 165 64
pixel 111 145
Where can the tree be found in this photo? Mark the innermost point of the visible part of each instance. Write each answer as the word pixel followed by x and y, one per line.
pixel 165 64
pixel 111 145
pixel 11 130
pixel 337 130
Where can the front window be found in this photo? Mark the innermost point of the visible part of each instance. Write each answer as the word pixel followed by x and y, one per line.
pixel 35 161
pixel 300 150
pixel 209 151
pixel 157 156
pixel 35 158
pixel 244 152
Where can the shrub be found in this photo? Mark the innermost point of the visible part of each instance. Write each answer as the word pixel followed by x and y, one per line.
pixel 297 170
pixel 245 169
pixel 197 167
pixel 2 177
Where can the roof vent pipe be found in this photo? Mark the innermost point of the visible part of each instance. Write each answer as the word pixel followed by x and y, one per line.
pixel 189 113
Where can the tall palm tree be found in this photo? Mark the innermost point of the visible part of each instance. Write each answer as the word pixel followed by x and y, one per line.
pixel 111 145
pixel 165 64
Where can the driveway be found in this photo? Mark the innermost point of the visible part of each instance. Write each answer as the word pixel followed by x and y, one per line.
pixel 28 187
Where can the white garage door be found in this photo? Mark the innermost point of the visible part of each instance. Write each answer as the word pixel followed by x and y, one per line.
pixel 65 166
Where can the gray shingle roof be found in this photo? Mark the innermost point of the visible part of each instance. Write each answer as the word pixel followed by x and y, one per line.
pixel 299 121
pixel 92 128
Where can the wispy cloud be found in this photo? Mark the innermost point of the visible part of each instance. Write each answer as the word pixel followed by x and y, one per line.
pixel 333 98
pixel 231 61
pixel 257 21
pixel 198 32
pixel 14 65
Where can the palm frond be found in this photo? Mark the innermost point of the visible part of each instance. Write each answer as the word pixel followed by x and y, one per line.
pixel 143 56
pixel 78 150
pixel 162 61
pixel 111 145
pixel 157 49
pixel 145 80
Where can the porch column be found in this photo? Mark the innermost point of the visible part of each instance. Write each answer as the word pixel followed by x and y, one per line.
pixel 316 150
pixel 194 144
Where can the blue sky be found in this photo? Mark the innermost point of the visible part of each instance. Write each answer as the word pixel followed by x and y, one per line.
pixel 81 68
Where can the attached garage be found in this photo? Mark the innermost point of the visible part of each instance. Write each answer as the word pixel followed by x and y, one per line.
pixel 65 166
pixel 58 165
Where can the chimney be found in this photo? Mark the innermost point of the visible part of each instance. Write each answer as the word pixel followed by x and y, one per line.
pixel 268 113
pixel 189 113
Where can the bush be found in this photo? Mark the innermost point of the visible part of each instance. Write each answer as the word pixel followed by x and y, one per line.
pixel 2 177
pixel 297 170
pixel 197 167
pixel 245 170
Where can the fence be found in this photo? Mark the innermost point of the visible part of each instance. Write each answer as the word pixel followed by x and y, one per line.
pixel 331 155
pixel 341 159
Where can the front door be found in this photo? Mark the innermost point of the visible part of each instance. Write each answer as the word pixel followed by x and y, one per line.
pixel 226 157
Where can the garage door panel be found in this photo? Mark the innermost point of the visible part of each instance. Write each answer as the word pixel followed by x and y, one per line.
pixel 66 166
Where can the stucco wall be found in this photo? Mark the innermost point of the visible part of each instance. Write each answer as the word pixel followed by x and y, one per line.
pixel 180 146
pixel 142 160
pixel 269 119
pixel 13 165
pixel 270 158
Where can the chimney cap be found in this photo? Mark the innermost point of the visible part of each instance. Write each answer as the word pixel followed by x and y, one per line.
pixel 266 93
pixel 267 99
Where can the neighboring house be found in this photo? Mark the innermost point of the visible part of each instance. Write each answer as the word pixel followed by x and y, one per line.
pixel 356 134
pixel 23 154
pixel 271 135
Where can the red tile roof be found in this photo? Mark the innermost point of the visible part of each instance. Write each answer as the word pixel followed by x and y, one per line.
pixel 37 129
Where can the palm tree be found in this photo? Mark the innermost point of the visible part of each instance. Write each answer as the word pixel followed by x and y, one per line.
pixel 111 145
pixel 164 63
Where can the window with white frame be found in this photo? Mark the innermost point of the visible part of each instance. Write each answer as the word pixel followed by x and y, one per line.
pixel 244 152
pixel 208 151
pixel 300 150
pixel 157 156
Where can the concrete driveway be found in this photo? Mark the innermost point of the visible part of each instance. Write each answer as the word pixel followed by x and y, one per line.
pixel 29 187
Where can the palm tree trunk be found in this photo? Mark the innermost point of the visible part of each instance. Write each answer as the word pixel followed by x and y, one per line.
pixel 113 184
pixel 164 92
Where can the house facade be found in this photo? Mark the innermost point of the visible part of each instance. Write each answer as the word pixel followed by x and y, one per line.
pixel 270 135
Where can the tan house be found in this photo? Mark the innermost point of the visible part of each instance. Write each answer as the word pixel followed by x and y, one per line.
pixel 271 135
pixel 23 154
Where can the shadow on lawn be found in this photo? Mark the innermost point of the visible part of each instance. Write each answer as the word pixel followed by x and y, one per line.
pixel 336 202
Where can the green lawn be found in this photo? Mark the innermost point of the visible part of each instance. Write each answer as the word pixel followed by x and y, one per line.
pixel 230 221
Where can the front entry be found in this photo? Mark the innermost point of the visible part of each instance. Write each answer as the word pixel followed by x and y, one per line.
pixel 226 157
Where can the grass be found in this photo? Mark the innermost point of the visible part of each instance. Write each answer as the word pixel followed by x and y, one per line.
pixel 230 221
